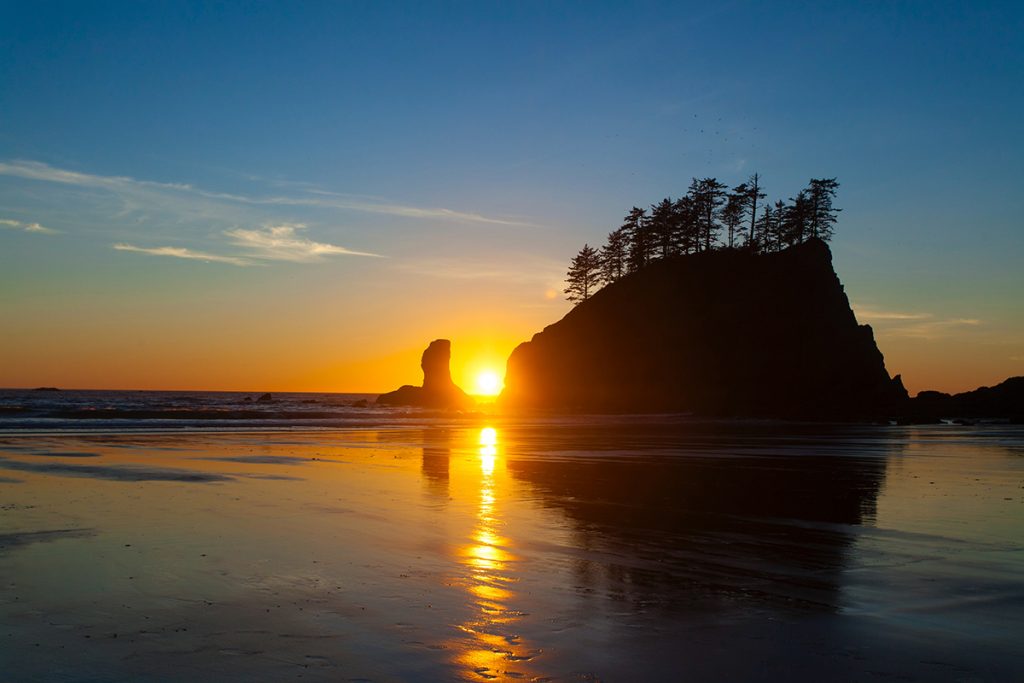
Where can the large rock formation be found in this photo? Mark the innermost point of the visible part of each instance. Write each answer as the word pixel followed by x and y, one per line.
pixel 438 390
pixel 1005 400
pixel 725 333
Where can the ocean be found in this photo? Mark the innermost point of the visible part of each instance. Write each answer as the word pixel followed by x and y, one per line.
pixel 69 410
pixel 178 536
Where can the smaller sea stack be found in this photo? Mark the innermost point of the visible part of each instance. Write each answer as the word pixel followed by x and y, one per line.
pixel 438 390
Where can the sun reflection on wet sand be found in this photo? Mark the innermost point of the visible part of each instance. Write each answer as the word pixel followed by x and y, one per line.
pixel 491 648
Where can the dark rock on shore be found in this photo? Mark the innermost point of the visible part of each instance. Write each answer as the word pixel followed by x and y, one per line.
pixel 438 390
pixel 1003 401
pixel 725 333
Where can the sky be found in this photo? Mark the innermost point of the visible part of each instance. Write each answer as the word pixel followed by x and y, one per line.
pixel 300 196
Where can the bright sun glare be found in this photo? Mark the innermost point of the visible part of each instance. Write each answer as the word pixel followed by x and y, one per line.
pixel 487 383
pixel 488 436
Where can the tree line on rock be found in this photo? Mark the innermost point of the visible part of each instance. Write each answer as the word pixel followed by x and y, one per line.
pixel 709 216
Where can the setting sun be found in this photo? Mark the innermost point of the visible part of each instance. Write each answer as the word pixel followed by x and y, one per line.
pixel 487 383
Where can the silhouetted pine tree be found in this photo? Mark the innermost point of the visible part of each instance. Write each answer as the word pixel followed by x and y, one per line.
pixel 779 227
pixel 796 219
pixel 640 242
pixel 615 256
pixel 708 196
pixel 661 223
pixel 733 213
pixel 686 234
pixel 754 193
pixel 693 222
pixel 583 278
pixel 821 214
pixel 769 228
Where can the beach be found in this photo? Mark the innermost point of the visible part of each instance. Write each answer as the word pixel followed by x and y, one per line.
pixel 490 548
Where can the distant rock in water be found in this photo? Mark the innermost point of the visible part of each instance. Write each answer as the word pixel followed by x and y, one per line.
pixel 46 389
pixel 1005 400
pixel 724 333
pixel 265 398
pixel 438 390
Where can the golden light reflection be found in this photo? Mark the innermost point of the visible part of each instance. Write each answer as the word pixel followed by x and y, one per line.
pixel 491 648
pixel 487 460
pixel 488 450
pixel 488 436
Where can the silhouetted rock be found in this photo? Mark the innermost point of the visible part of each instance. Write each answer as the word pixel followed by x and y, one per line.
pixel 265 398
pixel 436 365
pixel 438 390
pixel 46 389
pixel 727 333
pixel 1005 401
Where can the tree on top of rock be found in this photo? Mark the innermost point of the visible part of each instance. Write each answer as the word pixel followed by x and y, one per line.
pixel 584 276
pixel 821 214
pixel 615 256
pixel 662 227
pixel 708 196
pixel 686 237
pixel 694 223
pixel 754 193
pixel 641 245
pixel 796 219
pixel 734 212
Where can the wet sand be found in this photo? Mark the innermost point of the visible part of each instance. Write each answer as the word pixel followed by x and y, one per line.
pixel 618 551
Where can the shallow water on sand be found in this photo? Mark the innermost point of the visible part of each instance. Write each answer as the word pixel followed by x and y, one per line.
pixel 618 550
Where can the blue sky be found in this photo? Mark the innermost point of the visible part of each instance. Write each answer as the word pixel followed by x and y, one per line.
pixel 187 164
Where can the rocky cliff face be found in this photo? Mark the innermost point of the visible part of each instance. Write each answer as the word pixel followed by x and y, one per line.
pixel 722 333
pixel 438 390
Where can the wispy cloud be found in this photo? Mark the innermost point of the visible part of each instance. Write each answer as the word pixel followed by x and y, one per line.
pixel 333 200
pixel 179 252
pixel 933 329
pixel 27 227
pixel 124 185
pixel 916 325
pixel 273 243
pixel 281 243
pixel 870 314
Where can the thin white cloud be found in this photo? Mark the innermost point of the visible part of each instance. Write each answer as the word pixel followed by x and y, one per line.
pixel 124 185
pixel 868 313
pixel 933 329
pixel 916 325
pixel 179 252
pixel 338 201
pixel 27 227
pixel 280 243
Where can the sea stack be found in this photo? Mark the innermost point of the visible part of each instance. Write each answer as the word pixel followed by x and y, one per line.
pixel 725 333
pixel 438 390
